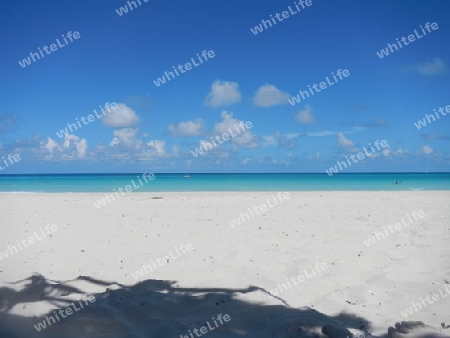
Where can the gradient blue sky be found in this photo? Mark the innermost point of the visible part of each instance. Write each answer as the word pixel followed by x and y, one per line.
pixel 117 58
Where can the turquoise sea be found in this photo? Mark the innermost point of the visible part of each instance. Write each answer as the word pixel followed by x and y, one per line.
pixel 225 182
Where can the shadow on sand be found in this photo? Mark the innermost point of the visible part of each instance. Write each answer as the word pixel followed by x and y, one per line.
pixel 157 308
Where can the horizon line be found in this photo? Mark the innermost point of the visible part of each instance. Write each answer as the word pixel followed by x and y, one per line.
pixel 234 173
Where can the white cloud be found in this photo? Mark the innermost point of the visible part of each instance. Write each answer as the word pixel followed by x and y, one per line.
pixel 175 150
pixel 315 156
pixel 80 145
pixel 148 151
pixel 281 140
pixel 322 133
pixel 188 128
pixel 433 67
pixel 124 137
pixel 223 93
pixel 292 136
pixel 246 139
pixel 269 140
pixel 114 142
pixel 427 150
pixel 158 147
pixel 268 96
pixel 344 142
pixel 71 148
pixel 306 115
pixel 51 146
pixel 121 117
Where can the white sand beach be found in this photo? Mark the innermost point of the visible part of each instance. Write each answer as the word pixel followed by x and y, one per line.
pixel 200 267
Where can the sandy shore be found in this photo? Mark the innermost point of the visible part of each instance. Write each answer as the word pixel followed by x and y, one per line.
pixel 312 242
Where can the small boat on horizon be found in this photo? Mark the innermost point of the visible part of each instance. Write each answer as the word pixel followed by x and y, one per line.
pixel 187 176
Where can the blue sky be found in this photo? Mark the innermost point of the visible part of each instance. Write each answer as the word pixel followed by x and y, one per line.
pixel 117 58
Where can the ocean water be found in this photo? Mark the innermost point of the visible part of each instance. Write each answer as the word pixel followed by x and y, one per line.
pixel 224 182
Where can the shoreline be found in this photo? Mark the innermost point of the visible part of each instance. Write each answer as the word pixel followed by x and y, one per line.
pixel 220 191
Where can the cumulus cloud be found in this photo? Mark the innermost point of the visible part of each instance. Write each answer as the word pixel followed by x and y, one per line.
pixel 79 144
pixel 434 67
pixel 223 93
pixel 51 146
pixel 278 139
pixel 71 148
pixel 344 142
pixel 188 128
pixel 157 146
pixel 268 96
pixel 175 150
pixel 386 152
pixel 124 137
pixel 306 116
pixel 427 150
pixel 121 117
pixel 246 139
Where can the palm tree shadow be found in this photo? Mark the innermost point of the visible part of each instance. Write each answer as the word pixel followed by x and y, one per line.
pixel 158 308
pixel 36 289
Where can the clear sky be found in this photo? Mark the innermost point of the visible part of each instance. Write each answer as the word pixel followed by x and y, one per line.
pixel 118 58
